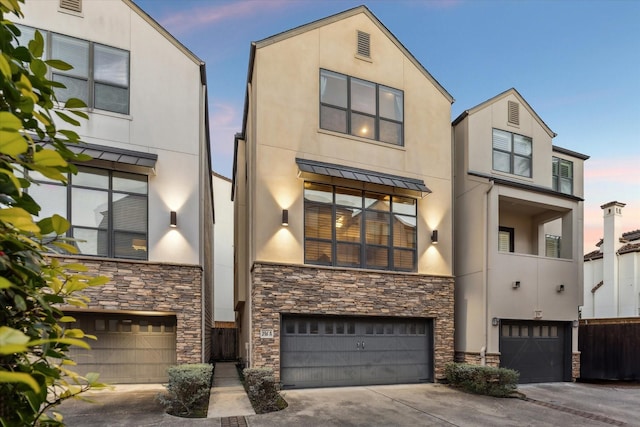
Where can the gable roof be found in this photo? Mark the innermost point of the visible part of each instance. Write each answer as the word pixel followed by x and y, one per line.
pixel 499 97
pixel 347 14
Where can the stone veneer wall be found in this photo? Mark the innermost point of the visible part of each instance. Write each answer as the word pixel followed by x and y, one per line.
pixel 295 289
pixel 575 365
pixel 147 286
pixel 491 359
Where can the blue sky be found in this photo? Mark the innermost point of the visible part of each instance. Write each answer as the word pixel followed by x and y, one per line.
pixel 577 63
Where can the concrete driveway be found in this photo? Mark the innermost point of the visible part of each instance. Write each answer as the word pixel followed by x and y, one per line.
pixel 557 404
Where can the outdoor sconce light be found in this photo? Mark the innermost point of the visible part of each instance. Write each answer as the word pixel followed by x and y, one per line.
pixel 285 217
pixel 516 284
pixel 173 221
pixel 560 288
pixel 495 321
pixel 434 237
pixel 576 323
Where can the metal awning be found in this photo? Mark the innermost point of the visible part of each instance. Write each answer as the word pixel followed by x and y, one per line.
pixel 362 175
pixel 116 158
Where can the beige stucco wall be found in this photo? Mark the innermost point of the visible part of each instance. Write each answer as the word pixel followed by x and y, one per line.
pixel 484 276
pixel 287 75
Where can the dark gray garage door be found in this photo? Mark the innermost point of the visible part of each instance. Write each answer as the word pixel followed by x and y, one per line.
pixel 540 351
pixel 329 352
pixel 129 349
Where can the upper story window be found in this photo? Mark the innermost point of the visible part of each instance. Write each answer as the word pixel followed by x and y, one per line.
pixel 354 228
pixel 100 73
pixel 361 108
pixel 562 172
pixel 107 210
pixel 506 239
pixel 512 153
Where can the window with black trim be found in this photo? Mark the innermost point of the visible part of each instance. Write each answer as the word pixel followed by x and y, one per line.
pixel 107 209
pixel 562 171
pixel 506 239
pixel 361 108
pixel 100 73
pixel 355 228
pixel 512 153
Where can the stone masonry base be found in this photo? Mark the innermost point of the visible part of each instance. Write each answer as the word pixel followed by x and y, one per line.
pixel 279 289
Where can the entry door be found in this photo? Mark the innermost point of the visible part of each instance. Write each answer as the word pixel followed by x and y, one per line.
pixel 540 351
pixel 327 352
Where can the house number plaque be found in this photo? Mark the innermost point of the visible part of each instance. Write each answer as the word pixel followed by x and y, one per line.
pixel 266 333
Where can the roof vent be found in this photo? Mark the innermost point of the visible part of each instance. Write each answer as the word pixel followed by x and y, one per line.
pixel 514 113
pixel 364 45
pixel 72 5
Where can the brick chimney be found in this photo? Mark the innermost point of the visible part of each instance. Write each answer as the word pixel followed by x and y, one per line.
pixel 612 214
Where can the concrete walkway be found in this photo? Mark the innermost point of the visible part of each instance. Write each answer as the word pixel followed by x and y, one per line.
pixel 228 397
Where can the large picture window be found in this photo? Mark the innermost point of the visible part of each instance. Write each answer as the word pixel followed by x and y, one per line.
pixel 512 153
pixel 354 228
pixel 361 108
pixel 107 210
pixel 100 74
pixel 562 175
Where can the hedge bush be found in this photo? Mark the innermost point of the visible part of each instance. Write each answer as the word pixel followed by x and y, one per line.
pixel 262 390
pixel 188 390
pixel 488 380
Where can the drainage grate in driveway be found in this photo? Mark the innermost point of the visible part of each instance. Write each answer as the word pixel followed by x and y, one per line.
pixel 233 422
pixel 582 414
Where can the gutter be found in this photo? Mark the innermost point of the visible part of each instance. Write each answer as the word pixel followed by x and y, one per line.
pixel 485 276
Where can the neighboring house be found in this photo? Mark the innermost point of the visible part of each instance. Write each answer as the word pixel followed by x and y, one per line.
pixel 223 252
pixel 612 273
pixel 518 241
pixel 342 178
pixel 138 82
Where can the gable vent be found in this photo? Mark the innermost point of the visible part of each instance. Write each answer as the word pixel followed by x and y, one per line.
pixel 73 5
pixel 514 113
pixel 364 45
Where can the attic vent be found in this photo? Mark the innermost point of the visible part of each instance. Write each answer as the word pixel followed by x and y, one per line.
pixel 73 5
pixel 514 113
pixel 364 46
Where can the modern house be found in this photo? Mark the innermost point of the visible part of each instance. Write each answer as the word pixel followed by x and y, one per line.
pixel 343 209
pixel 612 272
pixel 142 209
pixel 518 241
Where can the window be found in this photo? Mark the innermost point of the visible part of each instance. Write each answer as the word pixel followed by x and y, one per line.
pixel 505 239
pixel 354 228
pixel 511 153
pixel 100 74
pixel 361 108
pixel 107 210
pixel 562 175
pixel 552 246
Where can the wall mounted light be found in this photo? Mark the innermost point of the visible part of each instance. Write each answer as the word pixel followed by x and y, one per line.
pixel 495 321
pixel 576 323
pixel 516 284
pixel 285 217
pixel 173 221
pixel 560 288
pixel 434 237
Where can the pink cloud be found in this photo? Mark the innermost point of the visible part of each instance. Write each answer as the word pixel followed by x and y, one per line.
pixel 190 20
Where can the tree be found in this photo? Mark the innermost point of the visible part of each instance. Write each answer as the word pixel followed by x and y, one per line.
pixel 34 332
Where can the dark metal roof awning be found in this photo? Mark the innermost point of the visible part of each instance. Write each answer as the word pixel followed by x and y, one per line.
pixel 117 156
pixel 362 175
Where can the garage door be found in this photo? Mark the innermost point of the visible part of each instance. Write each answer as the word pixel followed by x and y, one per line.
pixel 329 352
pixel 540 351
pixel 129 349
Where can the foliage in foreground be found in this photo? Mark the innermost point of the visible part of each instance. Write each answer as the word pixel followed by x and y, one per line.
pixel 188 390
pixel 35 370
pixel 488 380
pixel 262 390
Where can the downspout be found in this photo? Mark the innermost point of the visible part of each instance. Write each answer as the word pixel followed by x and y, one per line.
pixel 485 276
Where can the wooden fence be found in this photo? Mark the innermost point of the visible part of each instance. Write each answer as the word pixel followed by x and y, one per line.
pixel 609 349
pixel 224 344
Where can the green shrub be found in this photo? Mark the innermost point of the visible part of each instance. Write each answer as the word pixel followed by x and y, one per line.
pixel 488 380
pixel 188 390
pixel 262 390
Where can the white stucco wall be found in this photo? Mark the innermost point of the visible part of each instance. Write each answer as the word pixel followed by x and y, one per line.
pixel 223 250
pixel 165 109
